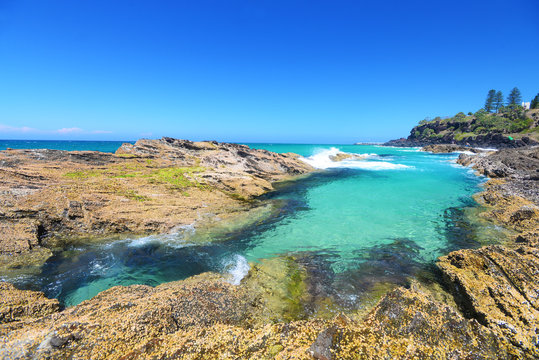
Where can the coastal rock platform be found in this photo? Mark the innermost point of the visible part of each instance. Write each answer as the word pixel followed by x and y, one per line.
pixel 490 309
pixel 48 197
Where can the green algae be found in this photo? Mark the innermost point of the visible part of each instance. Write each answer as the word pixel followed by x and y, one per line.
pixel 279 284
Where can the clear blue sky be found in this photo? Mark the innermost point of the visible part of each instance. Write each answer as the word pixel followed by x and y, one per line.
pixel 265 71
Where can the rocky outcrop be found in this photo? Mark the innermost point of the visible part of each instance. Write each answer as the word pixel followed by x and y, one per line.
pixel 204 317
pixel 503 130
pixel 518 168
pixel 22 305
pixel 448 148
pixel 498 286
pixel 346 156
pixel 497 141
pixel 152 186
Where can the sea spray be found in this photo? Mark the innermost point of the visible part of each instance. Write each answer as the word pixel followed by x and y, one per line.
pixel 323 159
pixel 237 268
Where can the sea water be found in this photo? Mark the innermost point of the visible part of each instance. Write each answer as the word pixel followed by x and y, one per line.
pixel 380 218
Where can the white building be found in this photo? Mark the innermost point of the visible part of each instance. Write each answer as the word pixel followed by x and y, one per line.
pixel 526 105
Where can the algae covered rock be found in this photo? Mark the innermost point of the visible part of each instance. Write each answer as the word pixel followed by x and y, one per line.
pixel 50 197
pixel 498 286
pixel 410 324
pixel 18 305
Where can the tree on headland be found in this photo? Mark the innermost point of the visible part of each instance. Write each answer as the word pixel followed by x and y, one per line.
pixel 534 104
pixel 498 101
pixel 489 103
pixel 514 97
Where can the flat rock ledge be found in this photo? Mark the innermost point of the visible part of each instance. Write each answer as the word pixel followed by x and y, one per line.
pixel 448 148
pixel 153 186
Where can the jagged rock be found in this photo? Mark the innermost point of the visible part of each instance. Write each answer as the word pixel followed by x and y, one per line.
pixel 498 287
pixel 17 305
pixel 206 317
pixel 519 168
pixel 409 324
pixel 345 156
pixel 152 186
pixel 448 148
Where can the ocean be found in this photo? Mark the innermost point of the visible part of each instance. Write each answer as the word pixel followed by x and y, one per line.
pixel 357 224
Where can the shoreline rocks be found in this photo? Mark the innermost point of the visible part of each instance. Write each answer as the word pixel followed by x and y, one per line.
pixel 497 141
pixel 494 287
pixel 448 148
pixel 152 186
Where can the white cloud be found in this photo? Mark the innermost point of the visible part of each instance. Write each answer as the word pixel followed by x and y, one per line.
pixel 23 129
pixel 69 130
pixel 62 131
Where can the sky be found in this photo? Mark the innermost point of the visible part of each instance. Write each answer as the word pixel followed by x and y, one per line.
pixel 256 71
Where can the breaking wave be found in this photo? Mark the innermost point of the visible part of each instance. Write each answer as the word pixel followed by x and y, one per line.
pixel 237 268
pixel 324 159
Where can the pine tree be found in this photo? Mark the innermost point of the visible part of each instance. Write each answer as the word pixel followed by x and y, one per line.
pixel 489 103
pixel 514 97
pixel 535 102
pixel 498 101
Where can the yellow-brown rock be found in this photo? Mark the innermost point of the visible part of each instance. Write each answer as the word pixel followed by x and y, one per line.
pixel 498 286
pixel 19 305
pixel 48 197
pixel 206 318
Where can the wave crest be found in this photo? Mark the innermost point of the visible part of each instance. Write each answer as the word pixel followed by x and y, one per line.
pixel 328 159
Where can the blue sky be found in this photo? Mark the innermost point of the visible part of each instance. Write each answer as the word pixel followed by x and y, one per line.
pixel 261 71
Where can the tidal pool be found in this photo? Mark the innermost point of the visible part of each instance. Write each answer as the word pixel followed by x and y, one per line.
pixel 355 224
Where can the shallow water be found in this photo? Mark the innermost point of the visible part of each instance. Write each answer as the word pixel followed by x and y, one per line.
pixel 355 224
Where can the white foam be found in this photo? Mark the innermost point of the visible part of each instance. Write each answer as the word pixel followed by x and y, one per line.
pixel 322 160
pixel 464 152
pixel 237 268
pixel 418 149
pixel 172 240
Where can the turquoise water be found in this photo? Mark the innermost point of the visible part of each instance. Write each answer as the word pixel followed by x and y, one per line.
pixel 104 146
pixel 355 223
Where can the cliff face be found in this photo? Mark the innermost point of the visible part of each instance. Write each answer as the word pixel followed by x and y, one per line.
pixel 482 130
pixel 152 186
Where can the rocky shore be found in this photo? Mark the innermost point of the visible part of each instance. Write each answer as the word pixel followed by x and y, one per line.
pixel 49 197
pixel 490 309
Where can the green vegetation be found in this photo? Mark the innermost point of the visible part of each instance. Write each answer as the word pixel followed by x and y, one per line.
pixel 127 156
pixel 514 97
pixel 82 174
pixel 489 103
pixel 498 101
pixel 494 118
pixel 534 104
pixel 133 195
pixel 177 176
